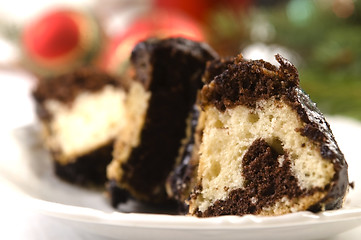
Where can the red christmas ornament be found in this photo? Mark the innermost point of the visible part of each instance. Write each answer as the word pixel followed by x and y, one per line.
pixel 60 40
pixel 196 9
pixel 201 9
pixel 54 36
pixel 160 24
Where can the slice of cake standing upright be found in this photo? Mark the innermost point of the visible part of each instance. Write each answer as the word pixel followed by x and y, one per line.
pixel 263 147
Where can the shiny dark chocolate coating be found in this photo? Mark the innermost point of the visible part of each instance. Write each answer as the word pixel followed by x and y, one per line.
pixel 179 181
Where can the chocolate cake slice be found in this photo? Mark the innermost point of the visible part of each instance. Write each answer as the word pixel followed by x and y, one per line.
pixel 260 146
pixel 167 77
pixel 81 113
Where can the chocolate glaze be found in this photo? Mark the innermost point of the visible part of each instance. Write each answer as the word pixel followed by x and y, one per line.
pixel 245 82
pixel 171 70
pixel 66 87
pixel 265 183
pixel 180 180
pixel 89 169
pixel 318 130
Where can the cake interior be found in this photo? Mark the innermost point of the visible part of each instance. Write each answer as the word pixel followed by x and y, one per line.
pixel 227 140
pixel 90 121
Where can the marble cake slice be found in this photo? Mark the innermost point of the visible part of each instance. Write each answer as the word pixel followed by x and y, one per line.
pixel 81 113
pixel 260 146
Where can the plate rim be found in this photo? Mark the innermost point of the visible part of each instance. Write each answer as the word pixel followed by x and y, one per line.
pixel 167 221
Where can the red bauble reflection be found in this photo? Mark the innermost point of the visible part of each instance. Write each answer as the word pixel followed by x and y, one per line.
pixel 159 24
pixel 52 36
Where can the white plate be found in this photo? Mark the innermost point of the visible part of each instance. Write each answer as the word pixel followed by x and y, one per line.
pixel 26 168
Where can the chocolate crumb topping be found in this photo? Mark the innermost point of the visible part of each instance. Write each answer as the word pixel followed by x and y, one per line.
pixel 214 68
pixel 66 87
pixel 244 82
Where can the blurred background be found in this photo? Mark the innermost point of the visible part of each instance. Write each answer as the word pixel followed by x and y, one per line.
pixel 321 37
